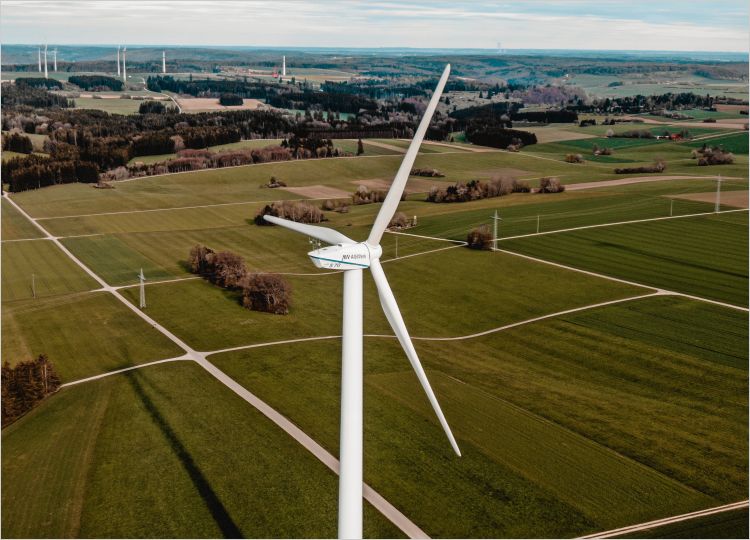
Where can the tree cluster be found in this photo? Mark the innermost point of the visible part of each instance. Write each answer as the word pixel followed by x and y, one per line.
pixel 299 211
pixel 34 172
pixel 26 384
pixel 152 106
pixel 23 95
pixel 656 167
pixel 430 173
pixel 269 293
pixel 474 190
pixel 498 137
pixel 715 155
pixel 15 142
pixel 480 238
pixel 196 160
pixel 39 82
pixel 230 100
pixel 550 184
pixel 96 82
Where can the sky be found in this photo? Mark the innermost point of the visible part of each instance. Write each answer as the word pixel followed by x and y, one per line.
pixel 684 25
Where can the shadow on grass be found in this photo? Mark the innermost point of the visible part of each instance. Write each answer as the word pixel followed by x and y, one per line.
pixel 222 518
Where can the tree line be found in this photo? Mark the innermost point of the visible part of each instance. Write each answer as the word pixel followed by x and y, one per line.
pixel 26 384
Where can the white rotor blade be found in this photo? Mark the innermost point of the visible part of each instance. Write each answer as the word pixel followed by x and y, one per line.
pixel 399 182
pixel 388 301
pixel 329 236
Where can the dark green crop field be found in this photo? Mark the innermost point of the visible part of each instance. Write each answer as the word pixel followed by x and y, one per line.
pixel 704 256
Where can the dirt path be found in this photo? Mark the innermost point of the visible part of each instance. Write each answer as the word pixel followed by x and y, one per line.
pixel 667 521
pixel 385 146
pixel 639 179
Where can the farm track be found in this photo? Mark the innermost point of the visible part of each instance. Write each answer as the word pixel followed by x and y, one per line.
pixel 374 498
pixel 668 521
pixel 599 225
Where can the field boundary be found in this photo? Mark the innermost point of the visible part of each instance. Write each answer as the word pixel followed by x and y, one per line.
pixel 598 225
pixel 668 521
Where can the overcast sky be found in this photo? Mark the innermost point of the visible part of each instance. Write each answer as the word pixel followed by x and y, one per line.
pixel 684 25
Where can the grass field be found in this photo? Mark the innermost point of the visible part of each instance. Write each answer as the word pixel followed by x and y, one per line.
pixel 547 402
pixel 736 143
pixel 15 226
pixel 83 334
pixel 569 425
pixel 110 105
pixel 54 273
pixel 164 452
pixel 222 322
pixel 704 256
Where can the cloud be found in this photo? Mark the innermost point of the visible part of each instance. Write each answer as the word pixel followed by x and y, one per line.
pixel 546 24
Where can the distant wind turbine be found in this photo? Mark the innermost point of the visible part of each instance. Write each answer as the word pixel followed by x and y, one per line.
pixel 118 60
pixel 353 257
pixel 45 60
pixel 163 61
pixel 54 59
pixel 124 71
pixel 39 57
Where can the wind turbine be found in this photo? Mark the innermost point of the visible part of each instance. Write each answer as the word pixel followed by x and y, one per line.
pixel 118 60
pixel 353 257
pixel 54 60
pixel 124 72
pixel 39 57
pixel 45 61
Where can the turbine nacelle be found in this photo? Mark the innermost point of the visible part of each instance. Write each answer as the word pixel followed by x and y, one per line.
pixel 345 256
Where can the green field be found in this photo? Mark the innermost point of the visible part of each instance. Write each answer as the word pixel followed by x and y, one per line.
pixel 222 322
pixel 53 272
pixel 736 143
pixel 704 256
pixel 110 105
pixel 548 402
pixel 83 335
pixel 163 452
pixel 15 226
pixel 569 425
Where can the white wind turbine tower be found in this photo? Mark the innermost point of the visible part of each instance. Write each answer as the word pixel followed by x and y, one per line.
pixel 124 72
pixel 118 60
pixel 164 61
pixel 54 60
pixel 45 60
pixel 353 257
pixel 39 57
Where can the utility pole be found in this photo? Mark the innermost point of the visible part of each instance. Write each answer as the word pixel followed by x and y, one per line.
pixel 495 219
pixel 718 194
pixel 142 279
